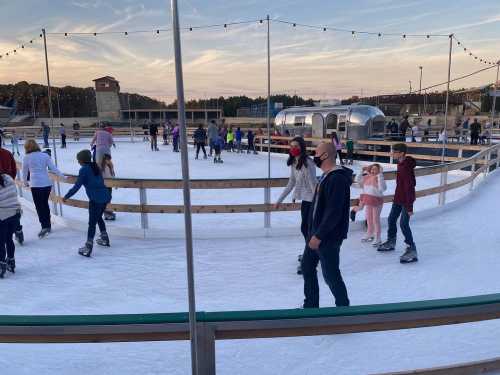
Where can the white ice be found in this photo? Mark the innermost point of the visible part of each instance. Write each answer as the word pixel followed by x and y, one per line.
pixel 458 257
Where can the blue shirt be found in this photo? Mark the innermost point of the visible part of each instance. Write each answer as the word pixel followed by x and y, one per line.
pixel 94 186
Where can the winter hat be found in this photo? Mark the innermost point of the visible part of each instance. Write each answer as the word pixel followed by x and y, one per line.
pixel 84 156
pixel 400 147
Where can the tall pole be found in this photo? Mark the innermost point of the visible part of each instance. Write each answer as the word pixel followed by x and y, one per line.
pixel 130 118
pixel 493 107
pixel 447 100
pixel 267 191
pixel 410 86
pixel 186 186
pixel 51 113
pixel 420 90
pixel 58 105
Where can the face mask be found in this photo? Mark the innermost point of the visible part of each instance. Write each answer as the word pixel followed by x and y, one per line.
pixel 295 151
pixel 317 160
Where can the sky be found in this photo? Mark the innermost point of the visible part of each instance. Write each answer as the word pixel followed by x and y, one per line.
pixel 232 61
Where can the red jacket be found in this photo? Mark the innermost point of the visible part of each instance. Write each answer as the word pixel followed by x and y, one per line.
pixel 405 183
pixel 7 163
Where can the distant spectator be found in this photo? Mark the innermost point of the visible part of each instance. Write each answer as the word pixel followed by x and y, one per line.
pixel 45 132
pixel 251 142
pixel 200 139
pixel 62 132
pixel 14 139
pixel 475 131
pixel 403 128
pixel 76 131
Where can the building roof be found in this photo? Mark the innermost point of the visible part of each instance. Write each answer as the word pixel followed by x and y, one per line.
pixel 105 78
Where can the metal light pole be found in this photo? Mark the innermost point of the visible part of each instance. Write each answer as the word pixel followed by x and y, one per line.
pixel 267 191
pixel 186 186
pixel 420 90
pixel 51 116
pixel 58 105
pixel 130 119
pixel 410 86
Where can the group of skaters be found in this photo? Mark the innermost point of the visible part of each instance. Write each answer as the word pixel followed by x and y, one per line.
pixel 325 211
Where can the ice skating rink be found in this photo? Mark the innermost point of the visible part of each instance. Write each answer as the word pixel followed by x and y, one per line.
pixel 458 256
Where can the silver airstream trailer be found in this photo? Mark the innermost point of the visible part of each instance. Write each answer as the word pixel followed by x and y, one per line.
pixel 355 121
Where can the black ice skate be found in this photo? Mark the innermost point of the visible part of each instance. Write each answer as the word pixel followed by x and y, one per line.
pixel 19 236
pixel 86 250
pixel 3 269
pixel 43 232
pixel 103 240
pixel 409 256
pixel 352 215
pixel 11 265
pixel 388 245
pixel 109 216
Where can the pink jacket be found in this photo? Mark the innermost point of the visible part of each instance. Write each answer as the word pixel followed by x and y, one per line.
pixel 102 139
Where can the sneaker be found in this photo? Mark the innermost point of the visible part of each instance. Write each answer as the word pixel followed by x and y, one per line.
pixel 299 270
pixel 409 256
pixel 367 239
pixel 86 250
pixel 103 240
pixel 388 245
pixel 44 232
pixel 19 236
pixel 3 269
pixel 11 265
pixel 377 243
pixel 353 215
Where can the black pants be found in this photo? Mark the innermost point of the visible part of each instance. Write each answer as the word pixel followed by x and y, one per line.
pixel 95 217
pixel 202 146
pixel 7 229
pixel 41 201
pixel 474 137
pixel 175 142
pixel 328 255
pixel 304 213
pixel 63 140
pixel 154 143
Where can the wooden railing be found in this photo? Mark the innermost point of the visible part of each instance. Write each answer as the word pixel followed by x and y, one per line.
pixel 482 162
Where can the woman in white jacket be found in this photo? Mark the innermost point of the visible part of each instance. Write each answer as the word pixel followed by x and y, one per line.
pixel 302 180
pixel 372 198
pixel 37 164
pixel 10 212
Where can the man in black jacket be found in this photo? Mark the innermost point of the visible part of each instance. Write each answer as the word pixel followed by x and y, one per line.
pixel 327 228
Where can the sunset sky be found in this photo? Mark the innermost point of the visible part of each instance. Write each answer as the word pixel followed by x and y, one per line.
pixel 232 61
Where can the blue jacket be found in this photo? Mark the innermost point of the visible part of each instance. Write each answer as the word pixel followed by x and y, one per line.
pixel 94 186
pixel 238 135
pixel 329 214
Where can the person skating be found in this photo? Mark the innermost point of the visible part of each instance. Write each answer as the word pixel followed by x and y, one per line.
pixel 327 228
pixel 108 171
pixel 175 138
pixel 230 140
pixel 14 139
pixel 213 133
pixel 8 166
pixel 251 142
pixel 153 135
pixel 90 177
pixel 238 137
pixel 45 133
pixel 103 140
pixel 76 131
pixel 218 146
pixel 404 197
pixel 200 139
pixel 62 132
pixel 372 199
pixel 475 131
pixel 302 181
pixel 10 212
pixel 36 163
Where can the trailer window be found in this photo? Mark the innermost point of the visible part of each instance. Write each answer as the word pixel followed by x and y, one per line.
pixel 331 122
pixel 299 121
pixel 342 126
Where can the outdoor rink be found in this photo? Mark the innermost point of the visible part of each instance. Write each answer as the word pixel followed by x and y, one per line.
pixel 457 249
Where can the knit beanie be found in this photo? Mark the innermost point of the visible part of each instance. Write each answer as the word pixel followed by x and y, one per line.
pixel 84 156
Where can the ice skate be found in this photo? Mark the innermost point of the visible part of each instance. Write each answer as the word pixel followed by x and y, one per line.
pixel 19 236
pixel 3 269
pixel 109 216
pixel 86 250
pixel 409 256
pixel 352 215
pixel 377 243
pixel 11 265
pixel 388 245
pixel 44 232
pixel 367 239
pixel 299 269
pixel 103 240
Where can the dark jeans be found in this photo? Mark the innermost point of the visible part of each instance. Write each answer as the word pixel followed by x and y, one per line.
pixel 7 229
pixel 328 255
pixel 304 213
pixel 46 140
pixel 41 201
pixel 175 142
pixel 474 137
pixel 63 140
pixel 202 146
pixel 154 142
pixel 251 147
pixel 396 211
pixel 95 217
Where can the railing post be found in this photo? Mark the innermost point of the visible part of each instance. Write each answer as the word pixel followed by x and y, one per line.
pixel 472 171
pixel 206 349
pixel 487 161
pixel 54 202
pixel 19 187
pixel 460 152
pixel 267 201
pixel 391 158
pixel 444 181
pixel 143 198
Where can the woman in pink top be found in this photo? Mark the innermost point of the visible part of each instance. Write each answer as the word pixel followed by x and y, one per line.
pixel 102 141
pixel 373 185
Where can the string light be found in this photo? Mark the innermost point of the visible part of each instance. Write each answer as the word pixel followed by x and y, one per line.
pixel 461 44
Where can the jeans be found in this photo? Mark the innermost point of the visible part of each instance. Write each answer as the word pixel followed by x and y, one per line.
pixel 154 142
pixel 63 140
pixel 305 206
pixel 95 217
pixel 396 211
pixel 45 140
pixel 7 229
pixel 328 255
pixel 175 142
pixel 41 201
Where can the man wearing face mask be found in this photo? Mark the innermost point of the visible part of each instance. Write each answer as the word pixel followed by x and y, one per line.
pixel 327 228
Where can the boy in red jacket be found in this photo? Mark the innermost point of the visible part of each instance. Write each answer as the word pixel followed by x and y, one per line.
pixel 402 205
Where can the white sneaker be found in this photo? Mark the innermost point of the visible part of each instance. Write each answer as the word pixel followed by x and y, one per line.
pixel 377 243
pixel 367 239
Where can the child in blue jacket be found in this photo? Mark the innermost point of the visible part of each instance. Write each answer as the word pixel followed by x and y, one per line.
pixel 91 178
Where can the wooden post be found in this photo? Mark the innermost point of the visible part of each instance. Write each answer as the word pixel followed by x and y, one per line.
pixel 460 152
pixel 206 349
pixel 487 159
pixel 444 181
pixel 472 170
pixel 144 216
pixel 391 158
